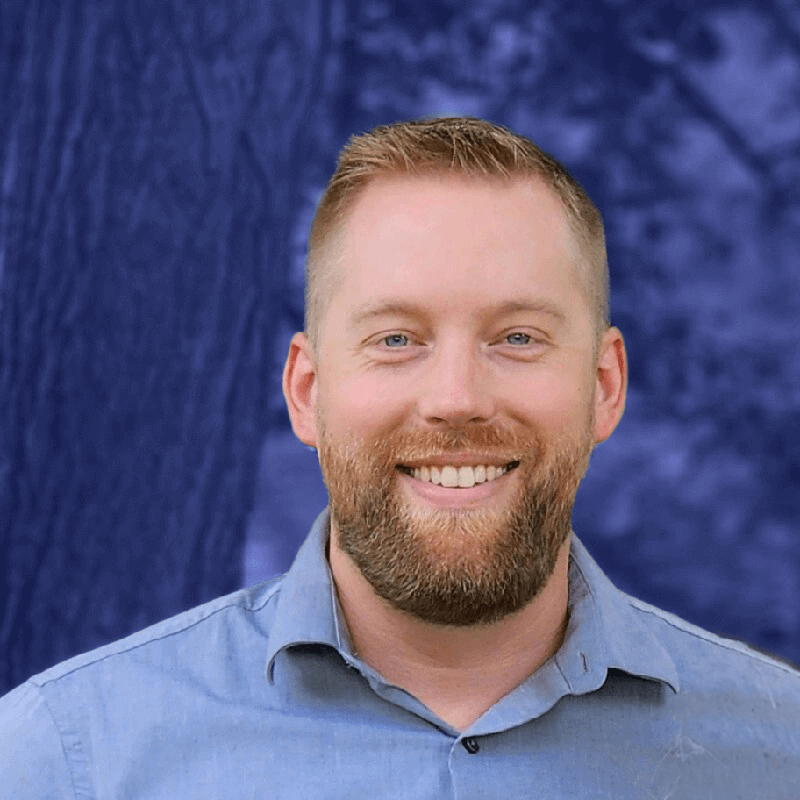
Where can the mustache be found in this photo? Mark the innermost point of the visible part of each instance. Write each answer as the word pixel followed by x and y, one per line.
pixel 415 445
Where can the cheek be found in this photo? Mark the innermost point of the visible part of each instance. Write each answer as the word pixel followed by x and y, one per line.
pixel 554 405
pixel 361 405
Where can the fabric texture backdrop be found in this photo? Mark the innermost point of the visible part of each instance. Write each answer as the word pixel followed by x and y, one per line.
pixel 159 165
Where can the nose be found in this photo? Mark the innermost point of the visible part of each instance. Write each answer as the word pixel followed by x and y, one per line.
pixel 458 389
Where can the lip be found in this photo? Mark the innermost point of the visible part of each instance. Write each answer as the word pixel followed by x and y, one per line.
pixel 457 460
pixel 446 497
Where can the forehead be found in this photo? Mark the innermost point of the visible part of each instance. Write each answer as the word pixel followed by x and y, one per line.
pixel 456 243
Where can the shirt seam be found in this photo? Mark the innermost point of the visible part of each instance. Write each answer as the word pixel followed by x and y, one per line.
pixel 714 640
pixel 564 676
pixel 41 682
pixel 67 759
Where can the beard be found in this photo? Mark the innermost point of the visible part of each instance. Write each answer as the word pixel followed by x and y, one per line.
pixel 454 566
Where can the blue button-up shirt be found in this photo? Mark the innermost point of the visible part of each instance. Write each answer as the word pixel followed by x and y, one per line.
pixel 259 695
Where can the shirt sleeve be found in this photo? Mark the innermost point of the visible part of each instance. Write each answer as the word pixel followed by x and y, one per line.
pixel 33 765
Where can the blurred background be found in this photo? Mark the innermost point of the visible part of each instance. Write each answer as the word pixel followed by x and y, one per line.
pixel 159 165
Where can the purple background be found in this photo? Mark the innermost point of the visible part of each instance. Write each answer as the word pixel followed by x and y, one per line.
pixel 159 164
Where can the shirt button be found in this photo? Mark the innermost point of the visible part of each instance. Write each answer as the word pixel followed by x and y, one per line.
pixel 471 745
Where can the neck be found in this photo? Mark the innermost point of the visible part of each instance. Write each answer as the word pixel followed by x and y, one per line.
pixel 457 672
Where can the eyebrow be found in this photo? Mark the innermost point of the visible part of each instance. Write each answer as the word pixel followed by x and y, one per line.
pixel 384 308
pixel 538 306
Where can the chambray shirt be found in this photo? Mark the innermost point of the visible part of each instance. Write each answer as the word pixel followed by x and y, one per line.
pixel 259 695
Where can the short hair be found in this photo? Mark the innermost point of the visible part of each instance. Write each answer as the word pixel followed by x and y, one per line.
pixel 448 145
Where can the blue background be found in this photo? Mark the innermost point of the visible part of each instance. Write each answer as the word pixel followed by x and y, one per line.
pixel 159 165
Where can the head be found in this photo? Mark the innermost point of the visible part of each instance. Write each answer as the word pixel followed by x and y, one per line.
pixel 458 368
pixel 463 146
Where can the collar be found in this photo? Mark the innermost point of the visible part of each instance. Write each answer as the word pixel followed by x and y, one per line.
pixel 307 610
pixel 606 629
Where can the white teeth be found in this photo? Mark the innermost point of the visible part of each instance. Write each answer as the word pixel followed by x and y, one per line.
pixel 466 477
pixel 449 477
pixel 462 477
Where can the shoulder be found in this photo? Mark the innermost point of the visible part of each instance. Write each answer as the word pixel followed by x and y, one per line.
pixel 55 725
pixel 194 648
pixel 638 632
pixel 710 663
pixel 242 615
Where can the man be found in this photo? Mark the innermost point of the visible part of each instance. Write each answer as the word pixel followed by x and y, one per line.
pixel 442 632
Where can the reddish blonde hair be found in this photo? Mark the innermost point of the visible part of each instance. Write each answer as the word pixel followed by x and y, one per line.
pixel 460 145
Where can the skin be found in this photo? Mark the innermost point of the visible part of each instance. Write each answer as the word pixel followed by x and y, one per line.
pixel 448 254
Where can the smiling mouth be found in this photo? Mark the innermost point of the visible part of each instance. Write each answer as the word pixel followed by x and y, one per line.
pixel 453 477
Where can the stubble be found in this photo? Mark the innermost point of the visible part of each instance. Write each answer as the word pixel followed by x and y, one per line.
pixel 454 566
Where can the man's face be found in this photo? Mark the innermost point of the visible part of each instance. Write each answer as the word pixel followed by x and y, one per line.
pixel 456 349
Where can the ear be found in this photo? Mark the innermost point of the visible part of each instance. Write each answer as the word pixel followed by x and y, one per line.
pixel 300 389
pixel 612 384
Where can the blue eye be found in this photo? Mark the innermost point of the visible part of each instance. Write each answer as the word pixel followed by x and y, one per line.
pixel 518 338
pixel 395 340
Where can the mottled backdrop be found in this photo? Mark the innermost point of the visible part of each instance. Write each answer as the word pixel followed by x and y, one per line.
pixel 159 163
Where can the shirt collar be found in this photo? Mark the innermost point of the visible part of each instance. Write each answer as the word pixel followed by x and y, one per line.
pixel 307 608
pixel 605 631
